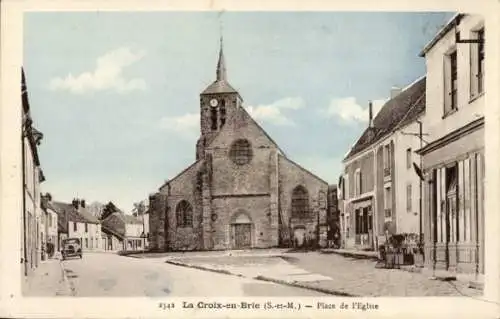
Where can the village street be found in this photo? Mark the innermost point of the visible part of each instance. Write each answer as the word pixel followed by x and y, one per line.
pixel 231 274
pixel 104 274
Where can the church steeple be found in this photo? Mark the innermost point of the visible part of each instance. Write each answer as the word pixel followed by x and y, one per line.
pixel 220 85
pixel 217 104
pixel 221 64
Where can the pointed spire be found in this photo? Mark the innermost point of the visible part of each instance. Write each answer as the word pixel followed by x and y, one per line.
pixel 221 64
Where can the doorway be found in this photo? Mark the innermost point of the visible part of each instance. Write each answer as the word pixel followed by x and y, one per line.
pixel 241 227
pixel 242 236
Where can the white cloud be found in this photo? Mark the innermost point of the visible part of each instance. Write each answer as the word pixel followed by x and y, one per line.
pixel 188 123
pixel 350 111
pixel 107 75
pixel 273 113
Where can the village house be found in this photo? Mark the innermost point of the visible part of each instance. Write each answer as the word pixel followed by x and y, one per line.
pixel 123 232
pixel 453 160
pixel 379 189
pixel 32 240
pixel 74 221
pixel 51 228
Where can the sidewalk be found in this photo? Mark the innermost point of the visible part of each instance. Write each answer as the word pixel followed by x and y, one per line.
pixel 360 254
pixel 47 280
pixel 332 274
pixel 470 279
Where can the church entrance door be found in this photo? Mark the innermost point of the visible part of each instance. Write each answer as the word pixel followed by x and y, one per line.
pixel 242 236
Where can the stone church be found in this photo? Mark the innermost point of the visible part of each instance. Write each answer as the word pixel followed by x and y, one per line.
pixel 242 191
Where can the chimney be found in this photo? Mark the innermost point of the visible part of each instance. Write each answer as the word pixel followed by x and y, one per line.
pixel 370 114
pixel 395 91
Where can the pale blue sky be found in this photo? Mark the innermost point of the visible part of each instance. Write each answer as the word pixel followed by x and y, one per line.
pixel 117 94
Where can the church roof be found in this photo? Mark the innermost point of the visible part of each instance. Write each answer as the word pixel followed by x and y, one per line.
pixel 304 169
pixel 254 122
pixel 220 85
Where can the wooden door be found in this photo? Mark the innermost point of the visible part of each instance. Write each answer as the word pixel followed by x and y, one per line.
pixel 242 236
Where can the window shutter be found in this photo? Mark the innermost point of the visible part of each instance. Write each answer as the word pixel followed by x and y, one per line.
pixel 474 70
pixel 447 84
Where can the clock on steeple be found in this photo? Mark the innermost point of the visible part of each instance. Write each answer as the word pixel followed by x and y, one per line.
pixel 217 103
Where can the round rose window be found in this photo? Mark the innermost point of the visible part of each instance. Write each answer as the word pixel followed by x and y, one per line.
pixel 241 152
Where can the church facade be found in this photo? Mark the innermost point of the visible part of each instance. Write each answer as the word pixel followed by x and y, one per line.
pixel 241 191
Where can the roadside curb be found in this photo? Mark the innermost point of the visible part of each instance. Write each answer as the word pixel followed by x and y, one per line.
pixel 304 286
pixel 264 278
pixel 350 255
pixel 219 271
pixel 69 287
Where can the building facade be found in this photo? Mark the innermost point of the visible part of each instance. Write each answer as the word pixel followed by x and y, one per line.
pixel 50 222
pixel 123 232
pixel 74 221
pixel 453 161
pixel 32 217
pixel 242 191
pixel 379 187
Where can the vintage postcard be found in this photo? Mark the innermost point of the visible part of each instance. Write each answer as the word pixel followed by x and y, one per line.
pixel 235 160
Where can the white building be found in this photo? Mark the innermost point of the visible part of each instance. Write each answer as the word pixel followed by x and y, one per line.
pixel 379 187
pixel 453 161
pixel 76 222
pixel 32 217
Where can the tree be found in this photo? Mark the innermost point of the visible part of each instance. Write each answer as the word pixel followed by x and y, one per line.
pixel 95 209
pixel 108 209
pixel 139 209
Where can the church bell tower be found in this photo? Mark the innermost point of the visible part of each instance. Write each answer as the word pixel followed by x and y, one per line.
pixel 217 103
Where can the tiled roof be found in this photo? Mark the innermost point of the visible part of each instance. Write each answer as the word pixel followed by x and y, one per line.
pixel 111 231
pixel 400 110
pixel 221 86
pixel 73 215
pixel 129 219
pixel 116 222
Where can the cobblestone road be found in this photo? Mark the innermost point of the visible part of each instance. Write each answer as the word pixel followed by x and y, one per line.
pixel 360 277
pixel 332 272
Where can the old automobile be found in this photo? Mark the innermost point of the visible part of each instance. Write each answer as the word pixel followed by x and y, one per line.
pixel 71 247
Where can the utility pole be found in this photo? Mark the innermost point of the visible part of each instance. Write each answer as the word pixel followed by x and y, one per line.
pixel 420 186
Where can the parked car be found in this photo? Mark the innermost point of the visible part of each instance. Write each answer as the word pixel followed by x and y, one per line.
pixel 71 247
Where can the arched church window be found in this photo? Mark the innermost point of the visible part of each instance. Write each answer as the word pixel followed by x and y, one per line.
pixel 222 114
pixel 184 214
pixel 241 152
pixel 213 118
pixel 300 202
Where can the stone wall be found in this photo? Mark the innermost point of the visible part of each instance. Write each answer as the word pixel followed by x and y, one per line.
pixel 291 175
pixel 184 187
pixel 257 209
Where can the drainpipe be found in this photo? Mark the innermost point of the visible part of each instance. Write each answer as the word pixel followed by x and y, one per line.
pixel 23 156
